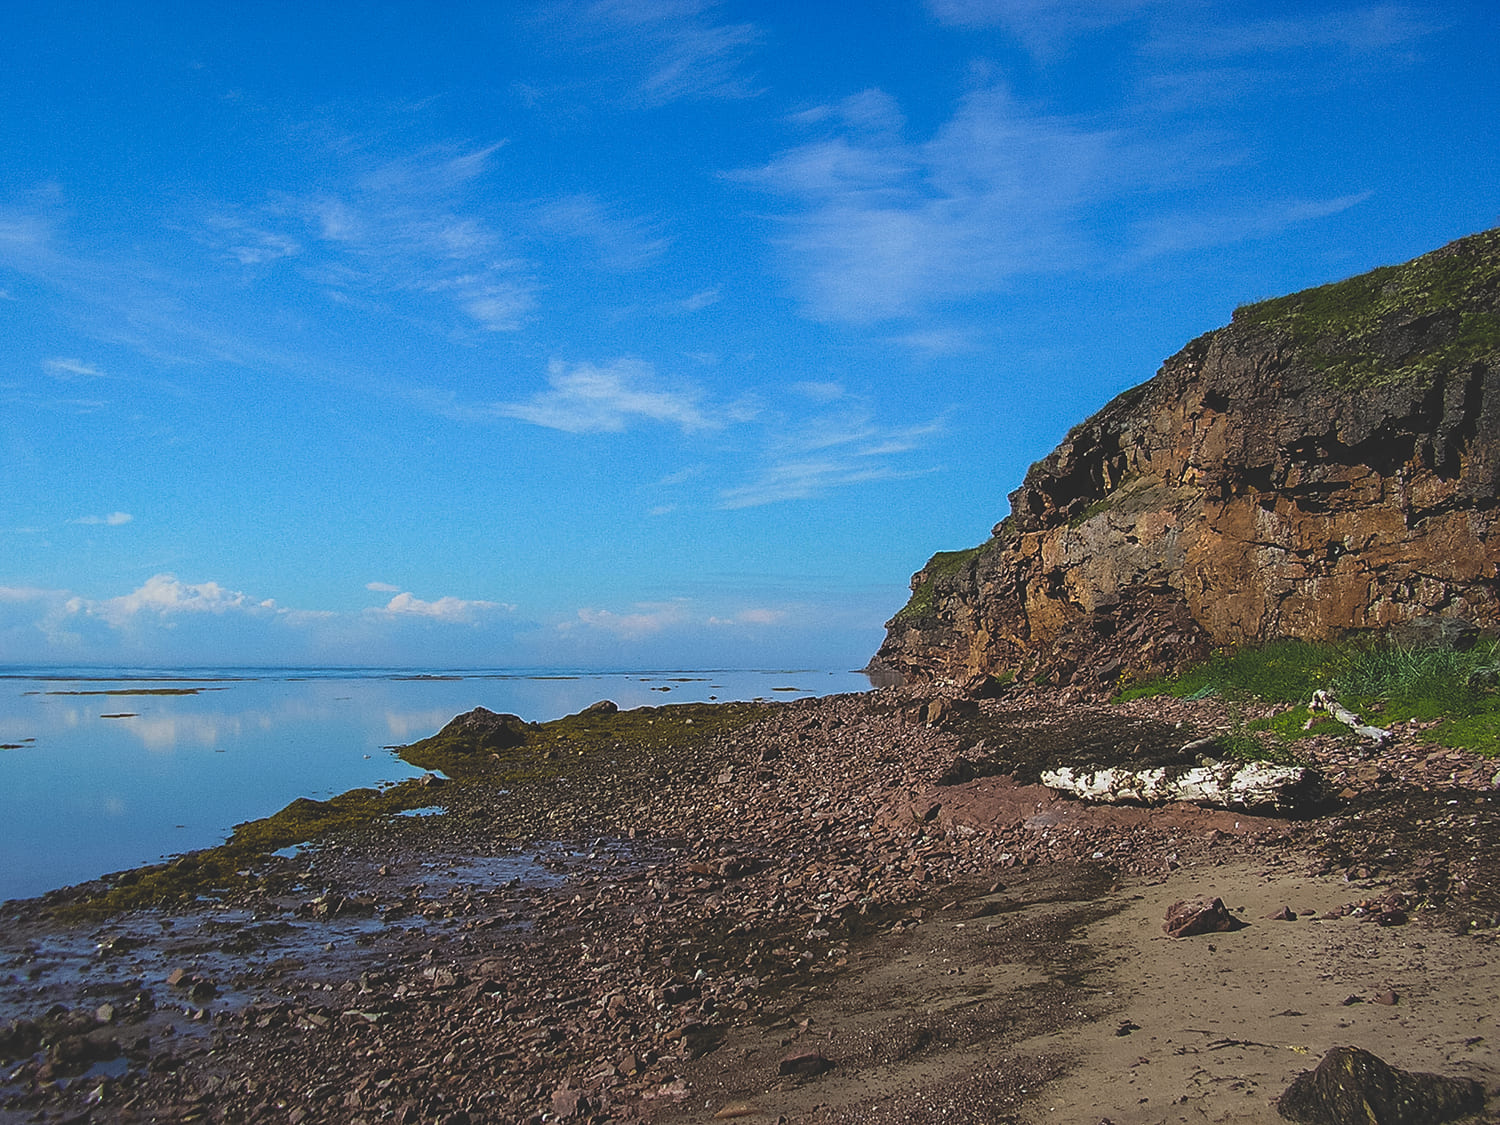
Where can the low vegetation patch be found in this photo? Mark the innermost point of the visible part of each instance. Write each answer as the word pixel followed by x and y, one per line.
pixel 1383 683
pixel 230 866
pixel 1361 332
pixel 942 564
pixel 579 741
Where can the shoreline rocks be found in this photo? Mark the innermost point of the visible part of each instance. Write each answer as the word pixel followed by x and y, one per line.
pixel 609 928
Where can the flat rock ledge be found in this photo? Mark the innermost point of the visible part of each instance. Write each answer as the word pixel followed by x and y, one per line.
pixel 1258 786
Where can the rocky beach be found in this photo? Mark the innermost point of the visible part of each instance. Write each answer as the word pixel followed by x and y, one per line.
pixel 856 908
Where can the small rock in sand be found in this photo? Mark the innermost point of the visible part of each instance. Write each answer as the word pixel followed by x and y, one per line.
pixel 1200 916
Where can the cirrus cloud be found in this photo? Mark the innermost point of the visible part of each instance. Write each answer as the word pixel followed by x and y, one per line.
pixel 66 369
pixel 588 399
pixel 114 519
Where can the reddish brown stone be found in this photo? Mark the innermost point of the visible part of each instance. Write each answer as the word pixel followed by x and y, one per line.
pixel 1200 916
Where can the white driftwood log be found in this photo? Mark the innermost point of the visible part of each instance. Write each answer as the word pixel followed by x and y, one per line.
pixel 1322 701
pixel 1234 785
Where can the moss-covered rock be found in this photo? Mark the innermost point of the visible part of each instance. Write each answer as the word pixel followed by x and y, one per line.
pixel 1353 1087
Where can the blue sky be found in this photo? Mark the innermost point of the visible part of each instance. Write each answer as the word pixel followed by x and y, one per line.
pixel 637 334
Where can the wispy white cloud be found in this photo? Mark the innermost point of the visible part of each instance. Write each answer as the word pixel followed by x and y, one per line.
pixel 701 300
pixel 1188 29
pixel 114 519
pixel 938 341
pixel 646 619
pixel 382 588
pixel 882 227
pixel 819 392
pixel 828 454
pixel 25 233
pixel 29 594
pixel 804 479
pixel 417 225
pixel 620 243
pixel 452 610
pixel 66 369
pixel 384 231
pixel 432 171
pixel 166 618
pixel 1044 27
pixel 250 245
pixel 584 398
pixel 670 49
pixel 682 476
pixel 760 617
pixel 1179 232
pixel 1358 31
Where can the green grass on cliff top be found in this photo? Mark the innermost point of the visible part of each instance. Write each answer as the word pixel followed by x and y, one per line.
pixel 942 563
pixel 1384 684
pixel 1353 331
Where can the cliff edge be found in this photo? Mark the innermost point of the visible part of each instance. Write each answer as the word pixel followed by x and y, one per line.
pixel 1327 462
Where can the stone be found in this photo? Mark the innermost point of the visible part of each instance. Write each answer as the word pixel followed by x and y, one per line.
pixel 1200 916
pixel 1285 914
pixel 1232 785
pixel 1451 633
pixel 483 729
pixel 568 1102
pixel 603 707
pixel 805 1064
pixel 1350 1086
pixel 736 1110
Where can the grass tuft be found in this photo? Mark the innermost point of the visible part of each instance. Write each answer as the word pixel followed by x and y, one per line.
pixel 1383 683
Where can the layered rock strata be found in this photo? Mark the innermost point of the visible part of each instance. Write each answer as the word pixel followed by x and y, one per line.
pixel 1327 462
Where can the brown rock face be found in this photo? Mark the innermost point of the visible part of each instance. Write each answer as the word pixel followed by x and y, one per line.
pixel 1328 462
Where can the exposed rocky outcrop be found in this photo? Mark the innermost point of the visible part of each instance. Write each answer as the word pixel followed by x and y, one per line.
pixel 1327 462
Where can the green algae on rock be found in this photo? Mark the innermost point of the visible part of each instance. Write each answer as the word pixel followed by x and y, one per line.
pixel 484 745
pixel 479 752
pixel 230 867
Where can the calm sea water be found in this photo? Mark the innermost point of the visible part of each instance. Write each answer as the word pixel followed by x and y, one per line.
pixel 105 769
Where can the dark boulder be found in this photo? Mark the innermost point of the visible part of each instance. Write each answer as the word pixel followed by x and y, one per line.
pixel 1354 1087
pixel 483 729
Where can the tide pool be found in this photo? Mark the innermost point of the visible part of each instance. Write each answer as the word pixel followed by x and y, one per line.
pixel 106 769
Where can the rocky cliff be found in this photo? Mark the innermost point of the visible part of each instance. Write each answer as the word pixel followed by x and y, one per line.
pixel 1327 462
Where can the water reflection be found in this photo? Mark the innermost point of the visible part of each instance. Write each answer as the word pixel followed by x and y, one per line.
pixel 84 794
